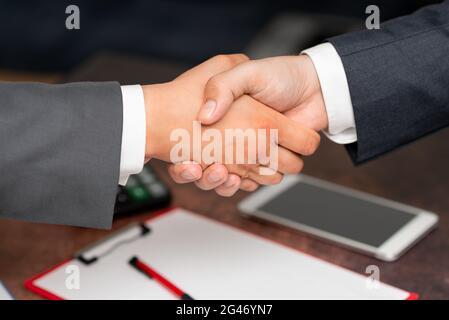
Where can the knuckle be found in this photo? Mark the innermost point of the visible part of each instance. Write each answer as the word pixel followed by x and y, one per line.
pixel 253 187
pixel 219 57
pixel 225 59
pixel 312 142
pixel 213 84
pixel 266 123
pixel 246 185
pixel 201 185
pixel 291 166
pixel 239 58
pixel 297 167
pixel 243 170
pixel 235 180
pixel 224 192
pixel 277 178
pixel 272 179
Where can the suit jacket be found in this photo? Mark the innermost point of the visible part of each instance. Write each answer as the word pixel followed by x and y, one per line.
pixel 398 78
pixel 60 152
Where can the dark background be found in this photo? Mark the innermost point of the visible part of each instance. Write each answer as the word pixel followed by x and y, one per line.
pixel 33 34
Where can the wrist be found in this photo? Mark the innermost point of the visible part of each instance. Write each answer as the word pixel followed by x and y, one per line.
pixel 322 120
pixel 152 101
pixel 314 93
pixel 165 113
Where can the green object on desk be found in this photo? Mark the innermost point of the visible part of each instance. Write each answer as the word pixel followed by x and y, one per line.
pixel 143 192
pixel 136 190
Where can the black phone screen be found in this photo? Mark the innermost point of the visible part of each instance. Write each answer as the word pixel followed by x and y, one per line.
pixel 338 213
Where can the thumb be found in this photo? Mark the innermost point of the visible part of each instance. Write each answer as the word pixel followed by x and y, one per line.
pixel 221 90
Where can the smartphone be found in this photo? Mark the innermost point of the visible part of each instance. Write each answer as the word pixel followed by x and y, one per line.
pixel 375 226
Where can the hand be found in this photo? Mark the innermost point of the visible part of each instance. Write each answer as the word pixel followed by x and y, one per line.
pixel 288 84
pixel 175 105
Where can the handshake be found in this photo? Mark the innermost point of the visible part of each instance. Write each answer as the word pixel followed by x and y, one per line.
pixel 231 123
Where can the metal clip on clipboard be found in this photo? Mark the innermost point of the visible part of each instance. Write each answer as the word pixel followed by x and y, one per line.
pixel 116 239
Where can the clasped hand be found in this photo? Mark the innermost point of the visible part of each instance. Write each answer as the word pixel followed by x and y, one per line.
pixel 228 92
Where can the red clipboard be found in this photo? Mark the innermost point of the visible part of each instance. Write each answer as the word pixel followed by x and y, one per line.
pixel 30 284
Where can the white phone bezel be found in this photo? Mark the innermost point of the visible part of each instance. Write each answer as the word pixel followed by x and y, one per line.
pixel 390 250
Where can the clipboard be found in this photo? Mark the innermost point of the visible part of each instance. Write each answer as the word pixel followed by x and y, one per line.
pixel 207 258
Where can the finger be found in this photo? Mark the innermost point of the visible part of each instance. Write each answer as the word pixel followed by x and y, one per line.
pixel 213 176
pixel 248 185
pixel 266 179
pixel 185 172
pixel 215 65
pixel 288 162
pixel 222 89
pixel 230 187
pixel 296 137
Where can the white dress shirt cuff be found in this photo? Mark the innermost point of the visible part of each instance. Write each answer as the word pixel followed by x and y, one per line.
pixel 132 156
pixel 335 89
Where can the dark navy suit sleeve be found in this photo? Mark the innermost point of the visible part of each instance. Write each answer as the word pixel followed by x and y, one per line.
pixel 398 78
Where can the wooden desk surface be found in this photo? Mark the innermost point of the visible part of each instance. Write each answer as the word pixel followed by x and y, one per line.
pixel 417 174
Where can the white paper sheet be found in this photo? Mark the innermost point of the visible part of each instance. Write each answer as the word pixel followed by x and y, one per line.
pixel 4 294
pixel 210 260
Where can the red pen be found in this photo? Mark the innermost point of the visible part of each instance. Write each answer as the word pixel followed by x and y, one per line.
pixel 152 274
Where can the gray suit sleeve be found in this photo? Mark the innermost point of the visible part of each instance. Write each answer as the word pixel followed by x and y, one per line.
pixel 398 78
pixel 60 152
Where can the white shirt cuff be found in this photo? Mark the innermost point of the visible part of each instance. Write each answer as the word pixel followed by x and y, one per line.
pixel 132 156
pixel 335 89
